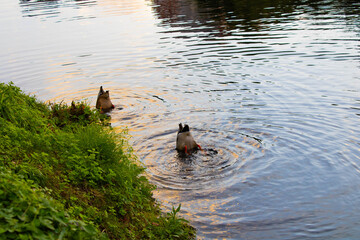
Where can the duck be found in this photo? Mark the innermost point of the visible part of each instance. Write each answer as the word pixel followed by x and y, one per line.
pixel 103 101
pixel 185 141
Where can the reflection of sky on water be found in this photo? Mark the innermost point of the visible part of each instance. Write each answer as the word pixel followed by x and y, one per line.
pixel 272 86
pixel 84 44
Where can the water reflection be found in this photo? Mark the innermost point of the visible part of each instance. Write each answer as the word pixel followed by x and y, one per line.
pixel 246 15
pixel 224 16
pixel 50 8
pixel 240 32
pixel 39 8
pixel 272 86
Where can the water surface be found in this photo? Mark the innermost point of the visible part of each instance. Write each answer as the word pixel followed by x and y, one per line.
pixel 270 90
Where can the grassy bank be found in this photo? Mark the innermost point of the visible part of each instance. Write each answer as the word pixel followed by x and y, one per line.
pixel 64 174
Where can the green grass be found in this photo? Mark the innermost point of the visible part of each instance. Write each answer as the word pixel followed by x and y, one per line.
pixel 81 176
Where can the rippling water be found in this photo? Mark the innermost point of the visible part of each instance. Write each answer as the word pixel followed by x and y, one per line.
pixel 270 90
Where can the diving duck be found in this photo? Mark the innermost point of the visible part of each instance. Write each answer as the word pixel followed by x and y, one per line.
pixel 185 141
pixel 103 101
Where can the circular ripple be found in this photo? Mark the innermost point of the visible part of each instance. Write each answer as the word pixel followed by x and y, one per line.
pixel 170 169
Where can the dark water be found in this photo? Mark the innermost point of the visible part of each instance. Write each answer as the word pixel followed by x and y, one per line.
pixel 273 87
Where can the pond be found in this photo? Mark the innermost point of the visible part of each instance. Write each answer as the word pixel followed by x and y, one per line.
pixel 270 90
